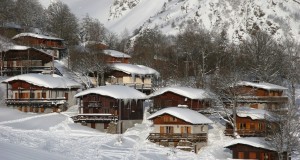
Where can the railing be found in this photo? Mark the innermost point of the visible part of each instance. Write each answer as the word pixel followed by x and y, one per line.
pixel 95 118
pixel 199 137
pixel 26 101
pixel 258 99
pixel 139 86
pixel 246 132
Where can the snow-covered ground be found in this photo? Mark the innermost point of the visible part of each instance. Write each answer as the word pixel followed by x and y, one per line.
pixel 55 136
pixel 30 136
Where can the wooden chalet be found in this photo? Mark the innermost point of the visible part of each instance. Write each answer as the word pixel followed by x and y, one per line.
pixel 40 93
pixel 18 60
pixel 113 56
pixel 253 122
pixel 103 107
pixel 259 95
pixel 10 29
pixel 139 77
pixel 181 128
pixel 41 42
pixel 253 148
pixel 194 98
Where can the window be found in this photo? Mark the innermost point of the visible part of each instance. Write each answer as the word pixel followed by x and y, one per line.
pixel 170 119
pixel 185 129
pixel 202 128
pixel 252 126
pixel 241 155
pixel 252 155
pixel 169 129
pixel 242 126
pixel 260 126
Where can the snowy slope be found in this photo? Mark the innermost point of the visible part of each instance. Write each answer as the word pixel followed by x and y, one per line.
pixel 237 18
pixel 40 135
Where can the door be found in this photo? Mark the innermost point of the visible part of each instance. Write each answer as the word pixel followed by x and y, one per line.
pixel 240 155
pixel 252 155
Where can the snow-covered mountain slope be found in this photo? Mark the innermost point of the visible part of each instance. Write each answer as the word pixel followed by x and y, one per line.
pixel 237 18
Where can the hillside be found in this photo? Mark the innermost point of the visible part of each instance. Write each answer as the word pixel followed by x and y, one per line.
pixel 237 18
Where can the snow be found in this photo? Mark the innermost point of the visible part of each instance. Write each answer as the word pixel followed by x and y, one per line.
pixel 39 36
pixel 18 47
pixel 263 85
pixel 48 81
pixel 254 114
pixel 116 54
pixel 192 93
pixel 237 18
pixel 257 142
pixel 114 91
pixel 134 69
pixel 185 114
pixel 9 151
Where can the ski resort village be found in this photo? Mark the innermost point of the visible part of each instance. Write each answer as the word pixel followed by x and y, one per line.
pixel 149 79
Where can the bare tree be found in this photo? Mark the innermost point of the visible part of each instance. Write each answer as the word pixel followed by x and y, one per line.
pixel 29 13
pixel 92 30
pixel 262 57
pixel 62 22
pixel 287 138
pixel 6 11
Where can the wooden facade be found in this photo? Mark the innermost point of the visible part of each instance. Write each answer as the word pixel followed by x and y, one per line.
pixel 255 97
pixel 28 97
pixel 42 43
pixel 27 60
pixel 171 131
pixel 143 84
pixel 111 59
pixel 168 99
pixel 99 111
pixel 248 127
pixel 243 151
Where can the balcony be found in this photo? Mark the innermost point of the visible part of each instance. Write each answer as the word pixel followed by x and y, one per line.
pixel 246 132
pixel 36 101
pixel 258 99
pixel 98 117
pixel 171 137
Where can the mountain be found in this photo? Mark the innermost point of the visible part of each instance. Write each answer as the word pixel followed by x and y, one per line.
pixel 280 18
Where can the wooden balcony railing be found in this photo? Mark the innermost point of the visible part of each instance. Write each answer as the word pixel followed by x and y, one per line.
pixel 258 99
pixel 36 101
pixel 139 86
pixel 246 132
pixel 95 118
pixel 199 137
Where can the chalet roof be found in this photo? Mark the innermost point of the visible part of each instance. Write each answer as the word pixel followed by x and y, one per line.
pixel 47 81
pixel 39 36
pixel 255 114
pixel 192 93
pixel 116 54
pixel 185 114
pixel 256 142
pixel 263 85
pixel 115 91
pixel 132 69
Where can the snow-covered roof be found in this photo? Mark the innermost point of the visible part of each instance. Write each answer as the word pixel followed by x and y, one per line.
pixel 47 81
pixel 254 114
pixel 116 54
pixel 18 47
pixel 115 91
pixel 263 85
pixel 40 36
pixel 185 114
pixel 257 142
pixel 192 93
pixel 134 69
